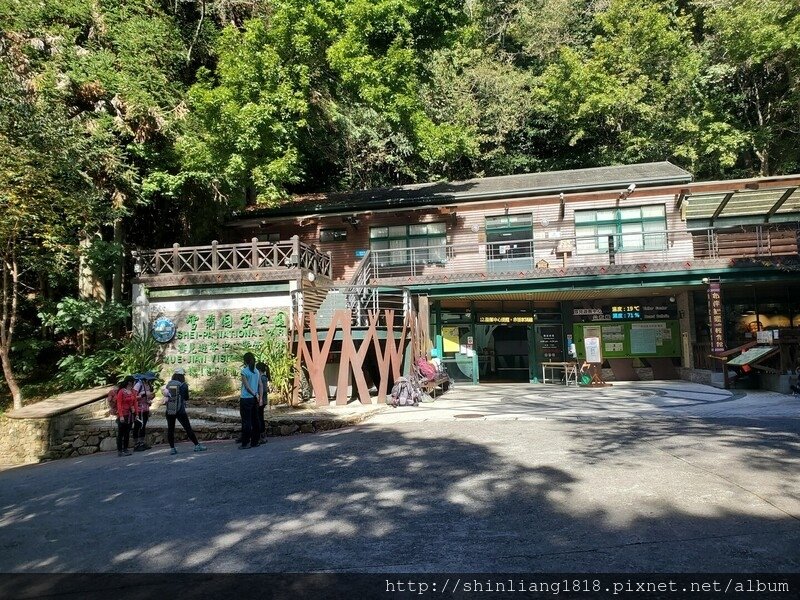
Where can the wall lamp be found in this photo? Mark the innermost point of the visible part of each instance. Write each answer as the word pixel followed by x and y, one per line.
pixel 352 220
pixel 631 188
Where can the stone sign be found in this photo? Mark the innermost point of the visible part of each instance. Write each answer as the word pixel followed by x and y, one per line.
pixel 212 343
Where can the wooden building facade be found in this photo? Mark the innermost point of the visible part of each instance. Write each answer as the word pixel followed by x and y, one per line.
pixel 508 273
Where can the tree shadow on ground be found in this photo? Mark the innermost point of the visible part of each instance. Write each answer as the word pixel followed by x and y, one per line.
pixel 453 497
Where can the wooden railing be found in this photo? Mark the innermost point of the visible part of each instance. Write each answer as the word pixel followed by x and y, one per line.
pixel 232 257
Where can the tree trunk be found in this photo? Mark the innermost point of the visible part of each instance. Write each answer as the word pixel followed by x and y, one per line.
pixel 11 379
pixel 8 324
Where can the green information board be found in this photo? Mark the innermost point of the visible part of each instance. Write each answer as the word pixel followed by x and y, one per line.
pixel 632 339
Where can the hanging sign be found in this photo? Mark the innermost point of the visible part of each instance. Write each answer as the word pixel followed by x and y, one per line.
pixel 715 317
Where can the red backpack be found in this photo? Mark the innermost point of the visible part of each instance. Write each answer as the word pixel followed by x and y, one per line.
pixel 426 369
pixel 111 400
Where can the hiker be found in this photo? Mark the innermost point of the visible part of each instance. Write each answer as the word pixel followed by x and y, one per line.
pixel 263 369
pixel 126 407
pixel 176 396
pixel 248 402
pixel 144 398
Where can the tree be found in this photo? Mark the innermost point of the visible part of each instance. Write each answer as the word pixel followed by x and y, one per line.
pixel 754 51
pixel 42 200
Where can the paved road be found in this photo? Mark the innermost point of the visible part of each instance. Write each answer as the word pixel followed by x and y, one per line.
pixel 567 489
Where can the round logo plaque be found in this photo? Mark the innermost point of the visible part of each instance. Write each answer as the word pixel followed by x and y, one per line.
pixel 163 330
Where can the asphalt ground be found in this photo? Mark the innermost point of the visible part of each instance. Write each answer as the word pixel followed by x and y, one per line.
pixel 514 479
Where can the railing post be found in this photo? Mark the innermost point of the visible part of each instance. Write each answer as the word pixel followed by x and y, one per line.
pixel 328 271
pixel 214 257
pixel 176 259
pixel 254 253
pixel 612 258
pixel 295 256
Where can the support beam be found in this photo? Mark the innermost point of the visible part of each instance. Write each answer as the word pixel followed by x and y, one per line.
pixel 681 198
pixel 721 206
pixel 784 197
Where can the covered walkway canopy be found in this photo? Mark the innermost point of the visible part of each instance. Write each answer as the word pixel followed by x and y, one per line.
pixel 743 207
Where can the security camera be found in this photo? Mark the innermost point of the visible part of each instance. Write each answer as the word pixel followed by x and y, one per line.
pixel 561 196
pixel 704 280
pixel 631 188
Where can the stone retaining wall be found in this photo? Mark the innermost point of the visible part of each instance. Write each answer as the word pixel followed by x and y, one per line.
pixel 83 431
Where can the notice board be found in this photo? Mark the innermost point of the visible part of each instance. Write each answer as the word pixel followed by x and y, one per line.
pixel 631 339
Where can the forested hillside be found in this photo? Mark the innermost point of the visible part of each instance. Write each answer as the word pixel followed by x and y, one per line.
pixel 145 122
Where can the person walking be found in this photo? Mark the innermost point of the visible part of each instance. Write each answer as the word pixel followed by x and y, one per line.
pixel 144 398
pixel 126 408
pixel 263 369
pixel 176 395
pixel 248 402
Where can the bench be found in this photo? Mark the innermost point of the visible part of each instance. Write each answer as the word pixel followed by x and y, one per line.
pixel 429 386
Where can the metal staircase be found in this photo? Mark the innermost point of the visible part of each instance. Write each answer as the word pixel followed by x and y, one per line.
pixel 360 297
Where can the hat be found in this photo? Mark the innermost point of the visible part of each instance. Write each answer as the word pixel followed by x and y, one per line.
pixel 149 375
pixel 179 371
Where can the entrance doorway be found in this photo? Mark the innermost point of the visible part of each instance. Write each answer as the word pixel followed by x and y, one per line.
pixel 503 352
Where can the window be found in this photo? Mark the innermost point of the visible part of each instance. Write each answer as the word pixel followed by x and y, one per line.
pixel 332 235
pixel 633 229
pixel 421 243
pixel 269 237
pixel 509 242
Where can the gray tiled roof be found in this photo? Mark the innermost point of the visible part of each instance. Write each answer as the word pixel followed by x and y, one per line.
pixel 507 186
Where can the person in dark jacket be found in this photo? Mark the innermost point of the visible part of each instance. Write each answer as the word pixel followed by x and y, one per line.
pixel 177 389
pixel 263 369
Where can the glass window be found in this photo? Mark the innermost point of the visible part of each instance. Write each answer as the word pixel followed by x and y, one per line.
pixel 420 243
pixel 633 228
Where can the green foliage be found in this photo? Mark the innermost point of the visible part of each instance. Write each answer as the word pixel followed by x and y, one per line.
pixel 102 257
pixel 27 354
pixel 275 352
pixel 217 386
pixel 74 315
pixel 141 353
pixel 99 368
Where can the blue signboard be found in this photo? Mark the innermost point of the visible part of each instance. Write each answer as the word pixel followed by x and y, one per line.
pixel 361 253
pixel 163 330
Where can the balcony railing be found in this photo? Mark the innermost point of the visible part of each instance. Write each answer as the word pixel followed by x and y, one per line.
pixel 514 256
pixel 218 258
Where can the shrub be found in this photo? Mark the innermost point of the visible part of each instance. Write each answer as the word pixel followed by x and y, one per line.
pixel 141 353
pixel 217 386
pixel 275 351
pixel 77 371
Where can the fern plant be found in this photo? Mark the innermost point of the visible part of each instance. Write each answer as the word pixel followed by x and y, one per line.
pixel 275 351
pixel 141 353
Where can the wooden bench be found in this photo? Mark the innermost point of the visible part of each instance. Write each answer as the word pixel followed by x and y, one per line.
pixel 429 386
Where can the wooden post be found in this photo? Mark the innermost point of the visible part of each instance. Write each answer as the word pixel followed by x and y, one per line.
pixel 214 257
pixel 295 257
pixel 254 253
pixel 176 259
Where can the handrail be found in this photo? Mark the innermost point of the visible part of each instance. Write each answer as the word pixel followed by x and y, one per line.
pixel 233 257
pixel 587 250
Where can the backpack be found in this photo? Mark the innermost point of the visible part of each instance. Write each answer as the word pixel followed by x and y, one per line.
pixel 426 369
pixel 172 392
pixel 404 393
pixel 111 401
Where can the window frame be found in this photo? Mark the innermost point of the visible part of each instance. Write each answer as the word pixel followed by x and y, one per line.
pixel 617 223
pixel 407 247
